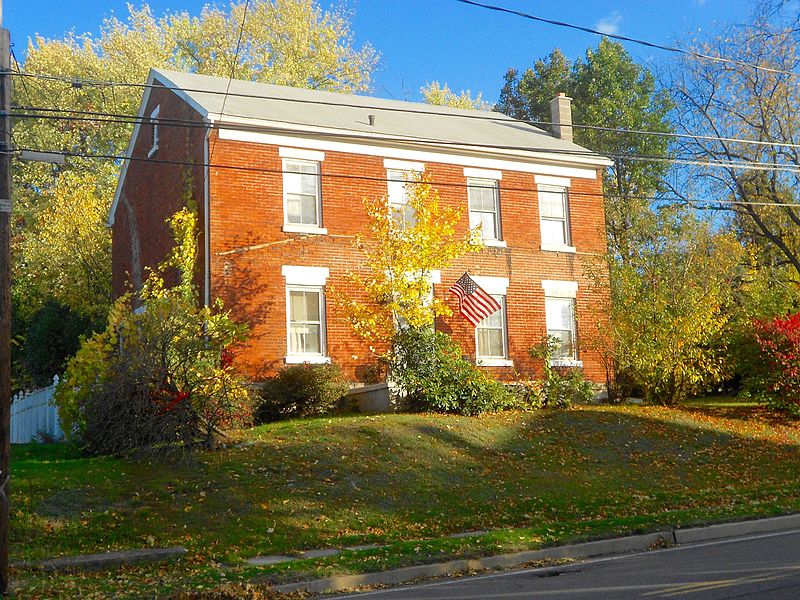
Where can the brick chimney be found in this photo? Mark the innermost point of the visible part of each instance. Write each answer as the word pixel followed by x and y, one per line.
pixel 561 116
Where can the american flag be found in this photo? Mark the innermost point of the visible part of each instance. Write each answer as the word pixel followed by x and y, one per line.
pixel 474 304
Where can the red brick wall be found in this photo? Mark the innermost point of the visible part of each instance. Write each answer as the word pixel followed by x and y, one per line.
pixel 249 248
pixel 153 191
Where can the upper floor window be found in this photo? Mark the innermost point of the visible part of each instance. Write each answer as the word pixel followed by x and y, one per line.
pixel 301 192
pixel 398 175
pixel 484 207
pixel 554 207
pixel 153 131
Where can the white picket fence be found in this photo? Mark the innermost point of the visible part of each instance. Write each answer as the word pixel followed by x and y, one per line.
pixel 34 414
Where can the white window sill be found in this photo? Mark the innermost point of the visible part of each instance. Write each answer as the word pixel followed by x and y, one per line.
pixel 495 362
pixel 565 362
pixel 290 228
pixel 312 359
pixel 495 243
pixel 549 248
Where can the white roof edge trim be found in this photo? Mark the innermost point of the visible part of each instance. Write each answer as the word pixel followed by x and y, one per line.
pixel 152 76
pixel 129 151
pixel 290 129
pixel 520 164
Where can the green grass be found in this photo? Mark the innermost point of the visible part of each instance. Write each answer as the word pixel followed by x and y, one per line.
pixel 405 481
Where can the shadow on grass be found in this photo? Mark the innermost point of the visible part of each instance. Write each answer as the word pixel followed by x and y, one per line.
pixel 343 481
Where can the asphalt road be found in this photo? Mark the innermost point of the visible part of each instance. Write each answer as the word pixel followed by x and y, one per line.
pixel 765 566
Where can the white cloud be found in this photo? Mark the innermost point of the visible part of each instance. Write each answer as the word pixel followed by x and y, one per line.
pixel 609 24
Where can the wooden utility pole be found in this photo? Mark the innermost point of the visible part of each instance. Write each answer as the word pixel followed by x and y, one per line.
pixel 5 294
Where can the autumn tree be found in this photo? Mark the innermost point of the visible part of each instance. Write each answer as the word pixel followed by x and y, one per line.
pixel 441 95
pixel 743 120
pixel 401 251
pixel 287 42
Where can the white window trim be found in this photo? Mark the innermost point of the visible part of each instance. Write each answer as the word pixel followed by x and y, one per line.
pixel 310 357
pixel 303 227
pixel 391 164
pixel 559 289
pixel 495 361
pixel 552 181
pixel 296 228
pixel 494 286
pixel 301 154
pixel 154 124
pixel 548 187
pixel 483 173
pixel 558 248
pixel 307 276
pixel 565 362
pixel 495 243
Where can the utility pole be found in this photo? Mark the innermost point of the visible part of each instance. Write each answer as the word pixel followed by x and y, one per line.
pixel 5 294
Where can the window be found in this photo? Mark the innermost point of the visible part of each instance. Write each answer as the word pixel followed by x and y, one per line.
pixel 398 197
pixel 484 207
pixel 490 334
pixel 560 316
pixel 301 192
pixel 554 210
pixel 153 131
pixel 305 314
pixel 306 319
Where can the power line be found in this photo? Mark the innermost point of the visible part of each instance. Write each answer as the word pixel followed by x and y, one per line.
pixel 675 49
pixel 447 184
pixel 233 67
pixel 716 163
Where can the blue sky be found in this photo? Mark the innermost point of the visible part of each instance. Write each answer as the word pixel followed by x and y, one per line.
pixel 426 40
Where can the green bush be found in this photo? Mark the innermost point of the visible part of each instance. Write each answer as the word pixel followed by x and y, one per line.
pixel 559 386
pixel 432 376
pixel 159 380
pixel 301 391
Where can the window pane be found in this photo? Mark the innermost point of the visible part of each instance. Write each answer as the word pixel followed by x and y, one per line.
pixel 308 184
pixel 304 306
pixel 552 204
pixel 490 343
pixel 560 318
pixel 553 232
pixel 305 339
pixel 309 210
pixel 565 348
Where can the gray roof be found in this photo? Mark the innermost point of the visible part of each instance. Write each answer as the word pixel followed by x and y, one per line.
pixel 303 108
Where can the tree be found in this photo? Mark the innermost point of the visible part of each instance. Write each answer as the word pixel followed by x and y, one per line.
pixel 400 254
pixel 609 91
pixel 160 377
pixel 671 306
pixel 442 95
pixel 288 42
pixel 725 105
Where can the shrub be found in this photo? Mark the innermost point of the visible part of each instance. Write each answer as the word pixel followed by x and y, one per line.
pixel 301 391
pixel 559 386
pixel 432 376
pixel 160 379
pixel 779 383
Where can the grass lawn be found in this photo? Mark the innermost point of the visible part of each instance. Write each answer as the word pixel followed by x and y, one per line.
pixel 403 481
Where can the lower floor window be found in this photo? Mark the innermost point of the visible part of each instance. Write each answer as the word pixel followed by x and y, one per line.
pixel 306 321
pixel 560 317
pixel 490 333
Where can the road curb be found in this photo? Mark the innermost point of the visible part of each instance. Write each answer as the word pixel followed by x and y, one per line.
pixel 107 560
pixel 613 546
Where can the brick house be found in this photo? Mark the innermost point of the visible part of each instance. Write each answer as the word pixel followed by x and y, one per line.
pixel 278 176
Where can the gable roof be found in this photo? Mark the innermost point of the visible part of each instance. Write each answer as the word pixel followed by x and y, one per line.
pixel 255 106
pixel 347 113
